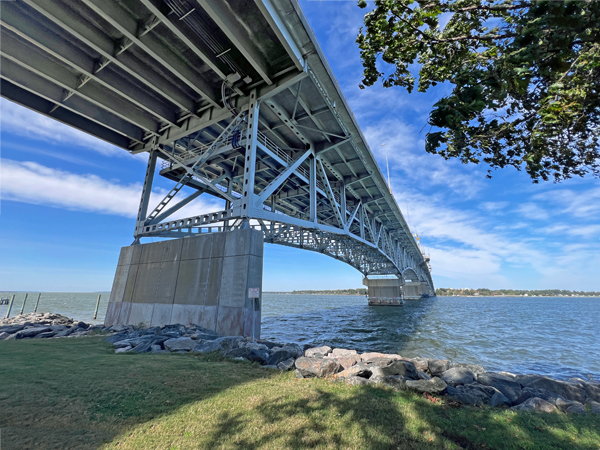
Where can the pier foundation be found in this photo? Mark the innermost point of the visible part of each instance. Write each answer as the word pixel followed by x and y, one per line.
pixel 414 290
pixel 384 291
pixel 202 280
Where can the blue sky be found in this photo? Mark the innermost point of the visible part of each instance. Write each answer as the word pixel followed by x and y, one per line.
pixel 68 200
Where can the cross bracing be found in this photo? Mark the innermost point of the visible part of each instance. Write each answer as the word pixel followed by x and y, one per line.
pixel 232 99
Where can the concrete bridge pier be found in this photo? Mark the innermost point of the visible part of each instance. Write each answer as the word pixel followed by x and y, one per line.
pixel 384 291
pixel 201 280
pixel 414 290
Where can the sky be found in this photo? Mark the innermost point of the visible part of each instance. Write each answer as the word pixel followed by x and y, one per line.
pixel 68 201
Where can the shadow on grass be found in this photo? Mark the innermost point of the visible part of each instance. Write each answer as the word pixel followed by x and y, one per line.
pixel 76 393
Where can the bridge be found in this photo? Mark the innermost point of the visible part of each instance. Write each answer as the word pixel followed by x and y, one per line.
pixel 234 100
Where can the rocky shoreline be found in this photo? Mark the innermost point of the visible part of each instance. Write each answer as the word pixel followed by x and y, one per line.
pixel 466 384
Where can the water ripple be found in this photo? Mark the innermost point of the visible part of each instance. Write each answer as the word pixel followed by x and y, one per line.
pixel 552 336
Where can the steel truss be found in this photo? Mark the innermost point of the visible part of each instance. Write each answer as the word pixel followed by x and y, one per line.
pixel 294 196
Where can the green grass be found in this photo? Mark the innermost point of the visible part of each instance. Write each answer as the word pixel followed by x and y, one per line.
pixel 78 394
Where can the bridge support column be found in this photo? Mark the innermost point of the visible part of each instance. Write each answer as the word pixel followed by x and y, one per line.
pixel 384 291
pixel 414 290
pixel 202 280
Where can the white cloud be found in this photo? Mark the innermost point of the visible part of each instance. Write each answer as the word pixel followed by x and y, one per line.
pixel 579 204
pixel 533 211
pixel 406 152
pixel 493 206
pixel 29 182
pixel 21 121
pixel 466 247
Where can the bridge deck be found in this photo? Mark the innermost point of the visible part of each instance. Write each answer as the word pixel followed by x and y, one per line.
pixel 182 79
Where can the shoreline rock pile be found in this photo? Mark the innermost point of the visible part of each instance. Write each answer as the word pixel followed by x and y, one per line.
pixel 467 384
pixel 44 325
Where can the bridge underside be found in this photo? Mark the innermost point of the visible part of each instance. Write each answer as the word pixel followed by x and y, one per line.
pixel 235 101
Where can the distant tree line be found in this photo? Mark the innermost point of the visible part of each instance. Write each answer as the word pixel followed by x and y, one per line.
pixel 360 291
pixel 515 292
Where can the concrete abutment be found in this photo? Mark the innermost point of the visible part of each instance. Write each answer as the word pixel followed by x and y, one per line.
pixel 202 280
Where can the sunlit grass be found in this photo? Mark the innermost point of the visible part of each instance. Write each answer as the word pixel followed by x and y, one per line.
pixel 76 393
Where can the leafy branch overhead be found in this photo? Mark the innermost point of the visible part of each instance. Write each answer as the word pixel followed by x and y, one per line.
pixel 525 78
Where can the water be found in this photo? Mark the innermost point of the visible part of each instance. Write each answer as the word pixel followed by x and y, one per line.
pixel 554 336
pixel 76 305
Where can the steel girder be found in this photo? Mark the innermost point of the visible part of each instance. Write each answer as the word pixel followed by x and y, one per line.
pixel 233 99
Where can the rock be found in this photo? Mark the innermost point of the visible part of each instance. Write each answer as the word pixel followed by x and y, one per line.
pixel 570 406
pixel 281 355
pixel 342 352
pixel 230 342
pixel 432 386
pixel 47 334
pixel 207 346
pixel 508 374
pixel 83 325
pixel 157 349
pixel 116 337
pixel 286 365
pixel 64 332
pixel 30 332
pixel 183 343
pixel 146 344
pixel 592 391
pixel 472 394
pixel 475 368
pixel 369 356
pixel 535 404
pixel 4 335
pixel 124 343
pixel 269 344
pixel 457 376
pixel 346 361
pixel 317 367
pixel 204 336
pixel 394 381
pixel 594 407
pixel 499 399
pixel 438 366
pixel 298 374
pixel 312 352
pixel 401 367
pixel 295 349
pixel 259 356
pixel 423 375
pixel 123 349
pixel 359 370
pixel 11 329
pixel 356 381
pixel 510 388
pixel 420 363
pixel 544 394
pixel 253 346
pixel 270 367
pixel 570 391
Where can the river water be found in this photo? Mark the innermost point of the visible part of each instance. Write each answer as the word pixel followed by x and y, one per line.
pixel 555 336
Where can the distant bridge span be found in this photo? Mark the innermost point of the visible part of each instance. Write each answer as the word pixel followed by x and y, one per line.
pixel 235 99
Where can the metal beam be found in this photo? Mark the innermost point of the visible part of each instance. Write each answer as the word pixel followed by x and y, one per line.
pixel 40 86
pixel 222 15
pixel 81 62
pixel 119 18
pixel 46 68
pixel 194 45
pixel 281 178
pixel 67 19
pixel 39 104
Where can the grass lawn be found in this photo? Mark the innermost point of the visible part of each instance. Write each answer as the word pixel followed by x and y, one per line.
pixel 77 394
